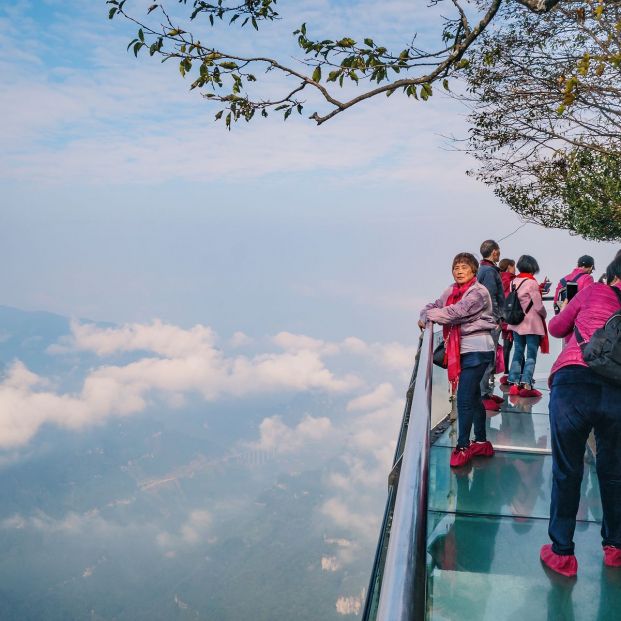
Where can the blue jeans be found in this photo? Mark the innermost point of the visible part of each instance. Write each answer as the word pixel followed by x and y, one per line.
pixel 524 344
pixel 469 407
pixel 581 400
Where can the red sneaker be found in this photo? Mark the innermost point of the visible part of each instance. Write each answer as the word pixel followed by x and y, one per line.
pixel 490 405
pixel 504 380
pixel 514 391
pixel 497 398
pixel 460 457
pixel 482 449
pixel 529 393
pixel 612 556
pixel 566 565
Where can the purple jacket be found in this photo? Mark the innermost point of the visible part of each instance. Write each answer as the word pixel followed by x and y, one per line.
pixel 589 310
pixel 534 320
pixel 473 312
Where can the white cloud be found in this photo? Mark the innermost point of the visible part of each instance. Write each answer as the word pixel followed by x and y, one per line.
pixel 277 436
pixel 380 396
pixel 330 563
pixel 300 342
pixel 240 339
pixel 350 605
pixel 175 361
pixel 363 524
pixel 193 531
pixel 72 523
pixel 108 116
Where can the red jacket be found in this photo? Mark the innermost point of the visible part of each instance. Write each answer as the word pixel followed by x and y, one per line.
pixel 507 279
pixel 589 310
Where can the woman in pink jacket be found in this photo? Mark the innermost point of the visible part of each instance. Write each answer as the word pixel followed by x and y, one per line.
pixel 528 335
pixel 465 311
pixel 582 400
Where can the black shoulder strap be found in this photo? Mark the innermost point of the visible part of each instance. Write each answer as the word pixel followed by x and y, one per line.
pixel 617 292
pixel 578 277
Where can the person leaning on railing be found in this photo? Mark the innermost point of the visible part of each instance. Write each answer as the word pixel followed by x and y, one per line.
pixel 465 312
pixel 585 397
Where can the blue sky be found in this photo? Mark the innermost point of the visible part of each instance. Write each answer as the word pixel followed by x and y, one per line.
pixel 124 201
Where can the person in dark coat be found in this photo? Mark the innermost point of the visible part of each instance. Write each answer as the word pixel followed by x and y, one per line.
pixel 489 276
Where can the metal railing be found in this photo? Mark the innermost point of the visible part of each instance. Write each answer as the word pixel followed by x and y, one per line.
pixel 398 586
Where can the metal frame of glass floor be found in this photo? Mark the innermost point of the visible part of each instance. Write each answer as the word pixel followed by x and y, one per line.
pixel 463 544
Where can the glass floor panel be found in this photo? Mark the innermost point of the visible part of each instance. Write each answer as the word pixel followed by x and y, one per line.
pixel 482 568
pixel 509 429
pixel 508 484
pixel 536 405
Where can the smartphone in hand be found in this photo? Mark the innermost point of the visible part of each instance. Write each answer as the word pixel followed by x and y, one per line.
pixel 572 290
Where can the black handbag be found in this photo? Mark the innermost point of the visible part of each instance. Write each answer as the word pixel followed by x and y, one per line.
pixel 439 354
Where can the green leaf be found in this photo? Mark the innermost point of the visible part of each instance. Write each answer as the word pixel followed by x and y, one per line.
pixel 141 35
pixel 317 74
pixel 445 84
pixel 137 47
pixel 112 13
pixel 346 42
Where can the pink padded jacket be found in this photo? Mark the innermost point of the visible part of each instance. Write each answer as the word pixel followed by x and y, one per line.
pixel 589 310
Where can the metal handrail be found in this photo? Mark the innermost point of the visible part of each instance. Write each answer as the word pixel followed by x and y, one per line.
pixel 370 605
pixel 403 595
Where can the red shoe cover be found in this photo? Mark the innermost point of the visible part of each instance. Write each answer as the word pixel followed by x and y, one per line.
pixel 612 556
pixel 482 449
pixel 460 457
pixel 529 393
pixel 514 390
pixel 504 380
pixel 497 399
pixel 491 405
pixel 561 564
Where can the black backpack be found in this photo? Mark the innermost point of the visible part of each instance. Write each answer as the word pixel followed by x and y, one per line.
pixel 514 313
pixel 603 352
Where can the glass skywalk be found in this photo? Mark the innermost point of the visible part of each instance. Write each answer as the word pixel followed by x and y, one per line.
pixel 486 523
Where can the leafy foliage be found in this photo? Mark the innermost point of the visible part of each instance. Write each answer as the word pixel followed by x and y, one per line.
pixel 227 77
pixel 546 115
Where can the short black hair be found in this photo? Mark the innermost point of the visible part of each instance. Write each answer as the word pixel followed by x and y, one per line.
pixel 614 269
pixel 468 258
pixel 487 247
pixel 528 264
pixel 586 261
pixel 504 264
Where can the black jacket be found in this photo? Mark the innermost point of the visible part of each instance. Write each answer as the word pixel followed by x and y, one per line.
pixel 489 276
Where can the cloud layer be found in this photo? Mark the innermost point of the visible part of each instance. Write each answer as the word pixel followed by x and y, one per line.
pixel 169 362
